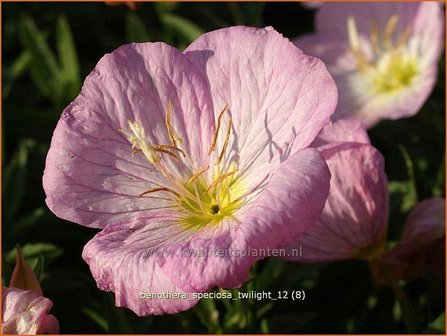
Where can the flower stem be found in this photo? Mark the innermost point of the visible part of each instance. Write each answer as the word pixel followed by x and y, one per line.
pixel 408 314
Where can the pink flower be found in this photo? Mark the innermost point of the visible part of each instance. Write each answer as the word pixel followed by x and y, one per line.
pixel 25 312
pixel 354 220
pixel 421 247
pixel 353 224
pixel 383 56
pixel 170 152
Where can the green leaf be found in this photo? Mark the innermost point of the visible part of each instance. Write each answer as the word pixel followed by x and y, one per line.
pixel 17 69
pixel 68 58
pixel 437 326
pixel 37 266
pixel 135 29
pixel 410 170
pixel 14 179
pixel 45 71
pixel 405 193
pixel 117 318
pixel 22 224
pixel 100 320
pixel 32 251
pixel 265 326
pixel 181 26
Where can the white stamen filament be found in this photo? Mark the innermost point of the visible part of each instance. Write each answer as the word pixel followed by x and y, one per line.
pixel 352 34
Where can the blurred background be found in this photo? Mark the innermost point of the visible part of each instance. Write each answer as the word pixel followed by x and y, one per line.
pixel 47 51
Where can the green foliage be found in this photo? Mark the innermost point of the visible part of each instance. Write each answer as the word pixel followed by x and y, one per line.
pixel 14 179
pixel 68 59
pixel 56 80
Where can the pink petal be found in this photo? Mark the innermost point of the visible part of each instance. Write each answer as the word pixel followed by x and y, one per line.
pixel 201 264
pixel 425 223
pixel 278 97
pixel 191 262
pixel 288 206
pixel 353 222
pixel 422 246
pixel 344 130
pixel 425 19
pixel 123 259
pixel 91 176
pixel 26 312
pixel 356 97
pixel 331 19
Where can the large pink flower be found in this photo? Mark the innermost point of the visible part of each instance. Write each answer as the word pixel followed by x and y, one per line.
pixel 175 153
pixel 353 224
pixel 383 56
pixel 25 312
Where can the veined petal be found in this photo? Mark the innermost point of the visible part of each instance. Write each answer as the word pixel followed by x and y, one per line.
pixel 91 175
pixel 288 206
pixel 123 258
pixel 354 220
pixel 278 98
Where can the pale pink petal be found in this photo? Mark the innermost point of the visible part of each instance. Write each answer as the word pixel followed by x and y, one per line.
pixel 91 176
pixel 278 98
pixel 26 312
pixel 344 130
pixel 354 220
pixel 422 245
pixel 331 18
pixel 288 206
pixel 334 52
pixel 49 325
pixel 123 259
pixel 426 20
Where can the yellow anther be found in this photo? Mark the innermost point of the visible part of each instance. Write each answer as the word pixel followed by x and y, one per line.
pixel 389 30
pixel 374 36
pixel 171 132
pixel 165 151
pixel 216 131
pixel 150 191
pixel 404 37
pixel 220 179
pixel 196 175
pixel 169 148
pixel 227 140
pixel 136 151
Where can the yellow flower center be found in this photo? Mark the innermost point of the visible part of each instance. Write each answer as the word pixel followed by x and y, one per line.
pixel 390 69
pixel 208 203
pixel 203 197
pixel 394 73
